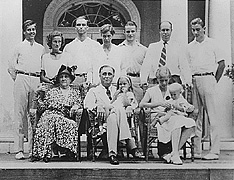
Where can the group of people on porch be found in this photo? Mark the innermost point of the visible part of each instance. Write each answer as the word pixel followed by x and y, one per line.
pixel 119 79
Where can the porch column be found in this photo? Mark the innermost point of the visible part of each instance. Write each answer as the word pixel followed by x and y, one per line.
pixel 11 34
pixel 176 12
pixel 232 56
pixel 220 29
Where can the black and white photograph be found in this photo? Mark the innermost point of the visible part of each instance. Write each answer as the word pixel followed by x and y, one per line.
pixel 117 89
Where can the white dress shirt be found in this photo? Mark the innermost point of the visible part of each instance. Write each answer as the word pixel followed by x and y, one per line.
pixel 204 57
pixel 85 55
pixel 132 57
pixel 112 58
pixel 175 61
pixel 97 96
pixel 27 57
pixel 51 66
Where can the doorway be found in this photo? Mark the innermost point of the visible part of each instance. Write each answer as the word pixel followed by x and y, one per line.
pixel 61 15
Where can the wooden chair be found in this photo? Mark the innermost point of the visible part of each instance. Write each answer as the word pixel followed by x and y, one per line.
pixel 94 130
pixel 150 134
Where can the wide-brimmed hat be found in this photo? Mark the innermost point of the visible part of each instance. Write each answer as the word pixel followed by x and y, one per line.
pixel 65 70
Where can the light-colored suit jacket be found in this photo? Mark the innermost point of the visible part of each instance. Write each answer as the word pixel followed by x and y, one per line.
pixel 97 96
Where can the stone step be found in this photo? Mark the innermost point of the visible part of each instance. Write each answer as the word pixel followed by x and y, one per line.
pixel 6 144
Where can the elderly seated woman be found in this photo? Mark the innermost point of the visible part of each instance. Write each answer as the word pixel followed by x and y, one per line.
pixel 55 124
pixel 174 132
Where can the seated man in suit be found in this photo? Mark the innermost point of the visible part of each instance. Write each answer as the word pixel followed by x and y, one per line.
pixel 99 98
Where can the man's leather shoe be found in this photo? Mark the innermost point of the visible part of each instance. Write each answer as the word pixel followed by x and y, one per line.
pixel 114 160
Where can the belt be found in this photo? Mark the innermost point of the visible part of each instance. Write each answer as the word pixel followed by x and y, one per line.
pixel 28 74
pixel 134 74
pixel 80 75
pixel 204 74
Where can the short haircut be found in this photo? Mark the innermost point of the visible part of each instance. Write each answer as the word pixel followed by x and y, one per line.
pixel 163 72
pixel 174 87
pixel 106 28
pixel 105 66
pixel 28 23
pixel 197 21
pixel 50 37
pixel 131 23
pixel 164 22
pixel 82 18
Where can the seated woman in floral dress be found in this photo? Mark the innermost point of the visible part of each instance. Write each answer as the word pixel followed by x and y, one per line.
pixel 55 124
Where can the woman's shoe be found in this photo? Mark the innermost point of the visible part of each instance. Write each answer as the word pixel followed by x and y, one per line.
pixel 167 158
pixel 71 156
pixel 33 159
pixel 176 160
pixel 46 159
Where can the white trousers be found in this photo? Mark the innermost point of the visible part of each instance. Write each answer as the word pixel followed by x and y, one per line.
pixel 118 130
pixel 204 89
pixel 24 88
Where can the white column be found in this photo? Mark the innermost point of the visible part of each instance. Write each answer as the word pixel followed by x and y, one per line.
pixel 10 35
pixel 219 29
pixel 176 12
pixel 232 55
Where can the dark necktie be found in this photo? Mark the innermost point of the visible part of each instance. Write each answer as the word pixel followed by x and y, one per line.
pixel 108 93
pixel 162 61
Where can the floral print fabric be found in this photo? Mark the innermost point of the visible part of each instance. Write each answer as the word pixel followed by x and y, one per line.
pixel 54 124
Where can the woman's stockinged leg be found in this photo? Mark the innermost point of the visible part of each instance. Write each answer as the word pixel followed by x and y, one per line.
pixel 175 139
pixel 185 134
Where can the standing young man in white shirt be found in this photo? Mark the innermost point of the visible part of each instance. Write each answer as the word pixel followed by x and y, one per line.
pixel 207 63
pixel 85 52
pixel 24 69
pixel 110 52
pixel 133 55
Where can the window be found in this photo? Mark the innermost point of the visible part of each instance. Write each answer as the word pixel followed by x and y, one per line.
pixel 97 15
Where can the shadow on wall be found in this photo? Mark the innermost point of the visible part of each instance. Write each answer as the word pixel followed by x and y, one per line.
pixel 6 122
